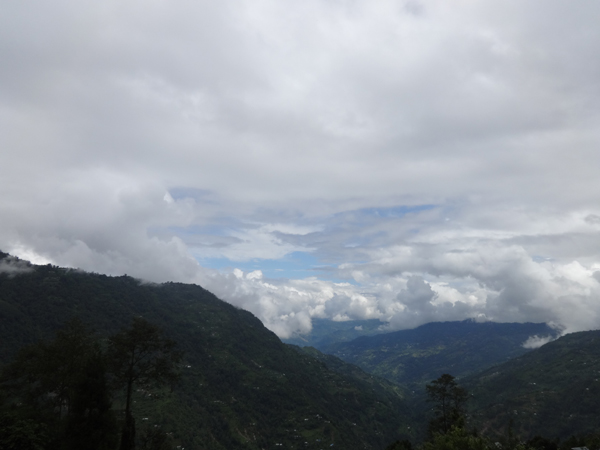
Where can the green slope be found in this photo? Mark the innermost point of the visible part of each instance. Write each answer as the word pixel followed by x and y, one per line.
pixel 553 391
pixel 241 386
pixel 414 357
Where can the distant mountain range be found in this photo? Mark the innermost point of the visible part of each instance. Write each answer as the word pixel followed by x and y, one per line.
pixel 326 333
pixel 414 357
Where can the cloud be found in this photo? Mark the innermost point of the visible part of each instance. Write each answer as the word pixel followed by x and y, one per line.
pixel 103 223
pixel 536 341
pixel 436 159
pixel 12 266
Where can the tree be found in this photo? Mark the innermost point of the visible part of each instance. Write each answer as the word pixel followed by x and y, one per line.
pixel 153 438
pixel 22 434
pixel 450 400
pixel 62 384
pixel 140 355
pixel 91 423
pixel 51 368
pixel 541 443
pixel 400 445
pixel 457 438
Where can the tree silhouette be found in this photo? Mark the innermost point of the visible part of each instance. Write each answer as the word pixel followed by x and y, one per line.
pixel 400 445
pixel 140 354
pixel 62 384
pixel 450 400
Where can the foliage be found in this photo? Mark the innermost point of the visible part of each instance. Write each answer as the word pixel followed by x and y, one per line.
pixel 22 434
pixel 591 441
pixel 153 438
pixel 457 438
pixel 400 445
pixel 54 367
pixel 449 399
pixel 541 443
pixel 551 391
pixel 240 387
pixel 62 384
pixel 140 355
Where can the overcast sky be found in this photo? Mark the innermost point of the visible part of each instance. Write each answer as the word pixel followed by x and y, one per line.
pixel 404 160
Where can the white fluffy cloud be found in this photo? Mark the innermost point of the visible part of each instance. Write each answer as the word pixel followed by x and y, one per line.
pixel 436 159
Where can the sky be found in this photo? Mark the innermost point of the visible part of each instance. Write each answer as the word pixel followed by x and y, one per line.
pixel 405 160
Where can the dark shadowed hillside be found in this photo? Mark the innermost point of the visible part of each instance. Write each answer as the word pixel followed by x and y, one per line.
pixel 553 391
pixel 240 388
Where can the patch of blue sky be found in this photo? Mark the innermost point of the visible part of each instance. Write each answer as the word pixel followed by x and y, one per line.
pixel 366 216
pixel 541 259
pixel 213 229
pixel 393 211
pixel 180 193
pixel 295 265
pixel 365 240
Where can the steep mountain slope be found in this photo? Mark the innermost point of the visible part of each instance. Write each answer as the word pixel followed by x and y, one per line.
pixel 414 357
pixel 240 388
pixel 553 391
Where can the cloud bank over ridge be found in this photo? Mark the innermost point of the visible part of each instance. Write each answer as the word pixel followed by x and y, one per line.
pixel 404 160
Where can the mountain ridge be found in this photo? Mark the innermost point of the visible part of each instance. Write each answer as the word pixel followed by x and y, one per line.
pixel 413 357
pixel 241 387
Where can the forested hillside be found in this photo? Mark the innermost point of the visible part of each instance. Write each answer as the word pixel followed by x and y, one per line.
pixel 553 391
pixel 414 357
pixel 240 386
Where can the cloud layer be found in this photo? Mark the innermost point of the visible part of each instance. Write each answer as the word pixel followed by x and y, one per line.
pixel 418 160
